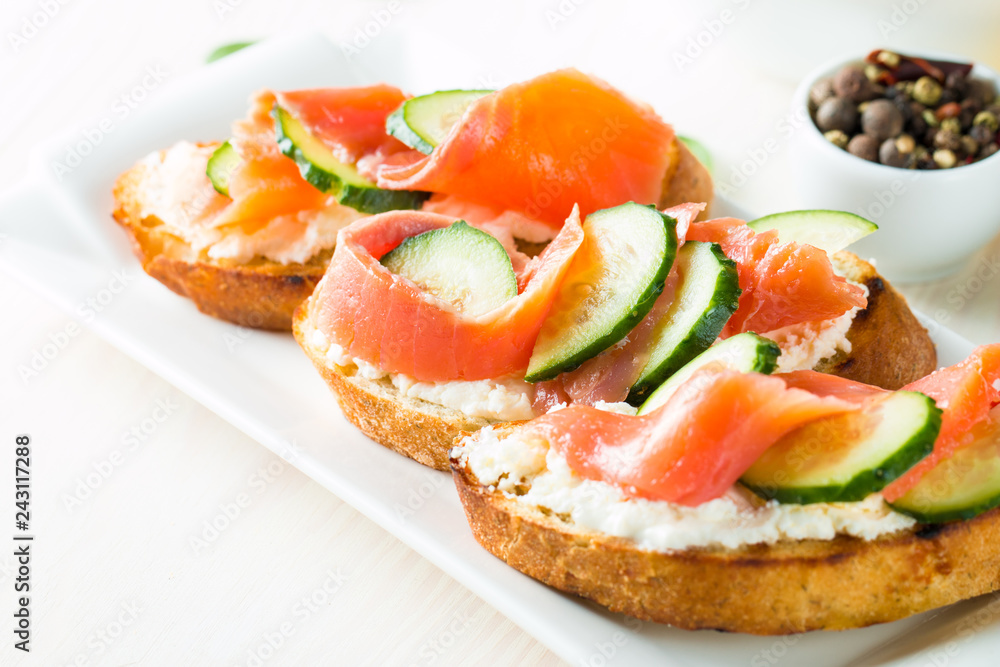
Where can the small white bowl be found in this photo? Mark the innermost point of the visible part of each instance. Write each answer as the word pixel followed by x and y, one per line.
pixel 930 222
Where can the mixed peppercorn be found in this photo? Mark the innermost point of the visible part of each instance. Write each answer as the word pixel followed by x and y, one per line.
pixel 908 112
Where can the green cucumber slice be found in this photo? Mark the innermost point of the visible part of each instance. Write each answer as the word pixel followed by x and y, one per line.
pixel 424 122
pixel 706 297
pixel 848 457
pixel 964 485
pixel 326 173
pixel 612 283
pixel 220 165
pixel 459 264
pixel 745 352
pixel 827 230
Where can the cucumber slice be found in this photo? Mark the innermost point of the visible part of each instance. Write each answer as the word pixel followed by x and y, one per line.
pixel 962 486
pixel 459 264
pixel 612 283
pixel 220 165
pixel 826 230
pixel 326 173
pixel 707 296
pixel 848 457
pixel 745 352
pixel 424 122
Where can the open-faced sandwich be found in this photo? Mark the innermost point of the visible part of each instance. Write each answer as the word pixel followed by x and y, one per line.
pixel 246 228
pixel 425 326
pixel 747 502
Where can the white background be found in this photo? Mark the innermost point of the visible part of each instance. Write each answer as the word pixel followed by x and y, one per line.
pixel 721 71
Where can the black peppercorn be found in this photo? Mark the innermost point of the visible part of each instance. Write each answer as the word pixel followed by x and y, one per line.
pixel 836 113
pixel 882 120
pixel 864 146
pixel 820 91
pixel 851 84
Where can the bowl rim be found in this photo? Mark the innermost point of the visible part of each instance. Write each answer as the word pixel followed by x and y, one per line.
pixel 800 101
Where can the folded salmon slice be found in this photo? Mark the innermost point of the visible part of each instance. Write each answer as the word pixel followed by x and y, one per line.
pixel 608 376
pixel 541 146
pixel 265 184
pixel 350 122
pixel 694 447
pixel 389 321
pixel 782 283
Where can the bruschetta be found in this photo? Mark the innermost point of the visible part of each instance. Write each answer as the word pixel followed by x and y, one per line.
pixel 752 503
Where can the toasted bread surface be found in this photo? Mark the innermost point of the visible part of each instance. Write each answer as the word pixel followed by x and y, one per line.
pixel 889 346
pixel 262 294
pixel 766 589
pixel 686 180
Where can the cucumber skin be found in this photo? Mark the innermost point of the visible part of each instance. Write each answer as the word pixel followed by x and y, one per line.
pixel 365 199
pixel 702 335
pixel 964 514
pixel 868 481
pixel 397 126
pixel 224 157
pixel 642 307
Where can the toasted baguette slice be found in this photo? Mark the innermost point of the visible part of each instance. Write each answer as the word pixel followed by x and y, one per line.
pixel 686 180
pixel 782 588
pixel 415 428
pixel 889 349
pixel 260 293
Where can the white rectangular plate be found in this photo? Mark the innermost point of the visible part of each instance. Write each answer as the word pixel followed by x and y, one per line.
pixel 61 240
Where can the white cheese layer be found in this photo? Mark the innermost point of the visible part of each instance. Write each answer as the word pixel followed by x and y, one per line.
pixel 546 481
pixel 500 399
pixel 176 190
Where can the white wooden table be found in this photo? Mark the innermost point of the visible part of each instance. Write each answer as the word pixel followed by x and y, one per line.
pixel 129 473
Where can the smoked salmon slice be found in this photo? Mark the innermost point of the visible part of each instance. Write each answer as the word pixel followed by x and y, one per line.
pixel 694 447
pixel 350 122
pixel 966 392
pixel 541 146
pixel 782 283
pixel 265 184
pixel 389 321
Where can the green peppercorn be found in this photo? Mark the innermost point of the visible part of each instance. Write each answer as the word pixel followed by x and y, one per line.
pixel 837 138
pixel 929 118
pixel 947 140
pixel 873 72
pixel 988 119
pixel 888 58
pixel 927 91
pixel 944 158
pixel 951 125
pixel 969 145
pixel 905 144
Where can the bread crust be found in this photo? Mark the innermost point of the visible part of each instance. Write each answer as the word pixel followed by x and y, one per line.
pixel 260 294
pixel 686 180
pixel 418 429
pixel 889 346
pixel 783 588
